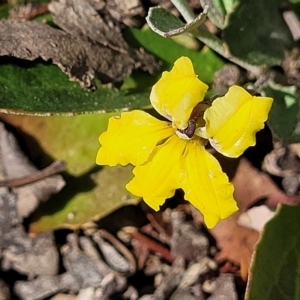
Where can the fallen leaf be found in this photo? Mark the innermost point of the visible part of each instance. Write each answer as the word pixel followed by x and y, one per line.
pixel 28 11
pixel 128 12
pixel 87 49
pixel 91 192
pixel 275 266
pixel 81 19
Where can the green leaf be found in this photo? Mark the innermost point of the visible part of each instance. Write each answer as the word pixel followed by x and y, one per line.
pixel 4 11
pixel 228 4
pixel 205 62
pixel 284 115
pixel 218 10
pixel 160 18
pixel 257 33
pixel 42 89
pixel 166 24
pixel 85 199
pixel 275 269
pixel 91 191
pixel 72 139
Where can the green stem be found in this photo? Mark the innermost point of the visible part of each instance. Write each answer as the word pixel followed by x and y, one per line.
pixel 184 10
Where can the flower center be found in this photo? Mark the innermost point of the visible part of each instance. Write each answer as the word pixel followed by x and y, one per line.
pixel 196 114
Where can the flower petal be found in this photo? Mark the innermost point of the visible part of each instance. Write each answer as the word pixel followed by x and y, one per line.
pixel 154 180
pixel 177 92
pixel 131 138
pixel 205 185
pixel 233 120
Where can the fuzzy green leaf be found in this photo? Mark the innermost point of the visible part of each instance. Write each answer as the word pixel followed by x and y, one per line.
pixel 276 265
pixel 166 24
pixel 36 88
pixel 4 11
pixel 85 199
pixel 205 62
pixel 284 119
pixel 257 33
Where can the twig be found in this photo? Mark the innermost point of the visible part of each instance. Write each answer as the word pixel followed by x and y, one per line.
pixel 152 245
pixel 56 167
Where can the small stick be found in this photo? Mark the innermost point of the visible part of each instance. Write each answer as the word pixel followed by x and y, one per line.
pixel 56 167
pixel 152 245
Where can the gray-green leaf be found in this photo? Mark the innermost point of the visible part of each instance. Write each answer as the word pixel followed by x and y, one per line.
pixel 275 268
pixel 284 115
pixel 257 33
pixel 165 24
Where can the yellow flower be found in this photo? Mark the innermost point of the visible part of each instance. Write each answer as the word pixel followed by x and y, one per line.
pixel 169 155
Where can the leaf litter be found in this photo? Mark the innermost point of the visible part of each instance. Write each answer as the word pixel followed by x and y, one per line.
pixel 89 47
pixel 177 258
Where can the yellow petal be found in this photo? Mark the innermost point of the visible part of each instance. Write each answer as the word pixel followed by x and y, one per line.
pixel 154 180
pixel 177 92
pixel 131 138
pixel 205 185
pixel 233 120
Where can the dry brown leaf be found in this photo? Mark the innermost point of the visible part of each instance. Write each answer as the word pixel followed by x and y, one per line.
pixel 127 11
pixel 89 47
pixel 116 58
pixel 28 11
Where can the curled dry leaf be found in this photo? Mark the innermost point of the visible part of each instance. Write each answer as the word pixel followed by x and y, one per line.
pixel 81 19
pixel 128 12
pixel 88 48
pixel 28 11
